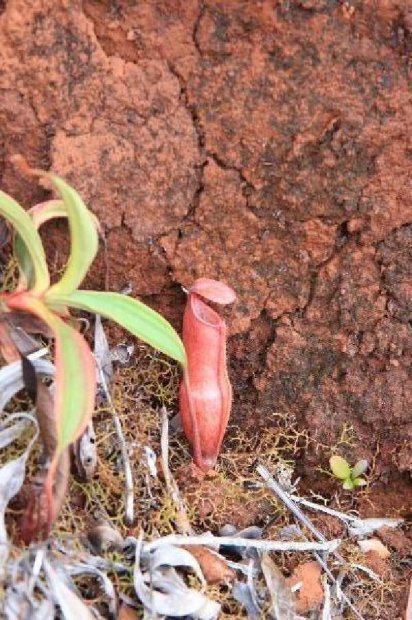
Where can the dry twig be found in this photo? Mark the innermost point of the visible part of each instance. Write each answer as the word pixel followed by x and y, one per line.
pixel 128 477
pixel 182 521
pixel 234 541
pixel 305 521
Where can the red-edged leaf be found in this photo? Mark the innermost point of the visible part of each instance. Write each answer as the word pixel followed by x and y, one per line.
pixel 75 371
pixel 46 497
pixel 74 398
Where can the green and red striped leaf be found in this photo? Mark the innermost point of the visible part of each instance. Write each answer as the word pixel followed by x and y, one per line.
pixel 133 315
pixel 75 371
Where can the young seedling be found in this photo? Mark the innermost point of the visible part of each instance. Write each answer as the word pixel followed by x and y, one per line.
pixel 75 381
pixel 350 476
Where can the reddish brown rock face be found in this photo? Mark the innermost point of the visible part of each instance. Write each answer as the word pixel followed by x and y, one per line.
pixel 267 144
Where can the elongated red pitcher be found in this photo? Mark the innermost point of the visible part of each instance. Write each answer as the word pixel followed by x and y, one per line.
pixel 205 391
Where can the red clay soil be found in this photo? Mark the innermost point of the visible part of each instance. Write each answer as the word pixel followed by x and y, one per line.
pixel 265 143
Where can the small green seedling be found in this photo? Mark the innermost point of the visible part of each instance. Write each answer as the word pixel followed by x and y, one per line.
pixel 349 475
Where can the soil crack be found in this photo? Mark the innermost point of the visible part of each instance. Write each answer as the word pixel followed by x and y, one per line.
pixel 200 134
pixel 246 186
pixel 196 26
pixel 341 239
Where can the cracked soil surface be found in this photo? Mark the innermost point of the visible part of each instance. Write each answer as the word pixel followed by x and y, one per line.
pixel 268 144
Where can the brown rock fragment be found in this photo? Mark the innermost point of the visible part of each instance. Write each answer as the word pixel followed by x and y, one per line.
pixel 309 596
pixel 379 565
pixel 396 539
pixel 214 567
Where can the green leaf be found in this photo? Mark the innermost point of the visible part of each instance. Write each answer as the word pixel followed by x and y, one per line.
pixel 340 467
pixel 348 485
pixel 359 468
pixel 46 211
pixel 75 372
pixel 359 482
pixel 133 315
pixel 36 267
pixel 84 240
pixel 39 214
pixel 26 267
pixel 53 209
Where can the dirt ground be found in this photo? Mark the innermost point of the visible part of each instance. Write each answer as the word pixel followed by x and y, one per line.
pixel 264 143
